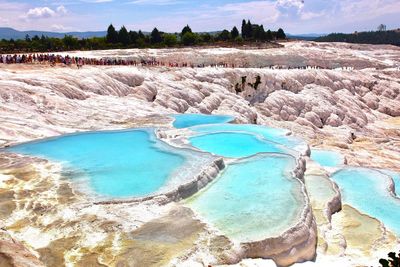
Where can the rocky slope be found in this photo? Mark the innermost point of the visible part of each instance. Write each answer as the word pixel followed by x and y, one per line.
pixel 39 101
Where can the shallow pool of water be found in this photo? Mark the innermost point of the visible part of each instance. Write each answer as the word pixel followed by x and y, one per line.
pixel 118 164
pixel 327 158
pixel 270 134
pixel 234 145
pixel 367 190
pixel 253 199
pixel 189 120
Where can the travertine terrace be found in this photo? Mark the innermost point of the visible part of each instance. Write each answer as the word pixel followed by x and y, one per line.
pixel 343 97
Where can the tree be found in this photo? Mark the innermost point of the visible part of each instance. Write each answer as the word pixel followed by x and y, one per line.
pixel 234 33
pixel 382 28
pixel 189 38
pixel 123 36
pixel 142 40
pixel 249 30
pixel 268 35
pixel 185 30
pixel 133 37
pixel 206 37
pixel 224 35
pixel 263 36
pixel 141 35
pixel 155 36
pixel 244 29
pixel 27 38
pixel 112 35
pixel 280 34
pixel 70 42
pixel 170 39
pixel 238 39
pixel 258 32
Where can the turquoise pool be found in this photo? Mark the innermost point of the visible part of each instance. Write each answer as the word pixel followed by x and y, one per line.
pixel 233 144
pixel 273 135
pixel 366 190
pixel 116 164
pixel 253 199
pixel 327 158
pixel 189 120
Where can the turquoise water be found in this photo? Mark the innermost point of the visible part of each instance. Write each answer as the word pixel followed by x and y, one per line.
pixel 117 164
pixel 270 134
pixel 253 199
pixel 189 120
pixel 366 190
pixel 327 158
pixel 234 145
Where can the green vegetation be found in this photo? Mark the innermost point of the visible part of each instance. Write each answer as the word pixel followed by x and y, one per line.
pixel 256 32
pixel 373 37
pixel 132 39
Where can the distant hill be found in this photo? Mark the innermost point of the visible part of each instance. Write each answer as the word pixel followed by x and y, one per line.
pixel 10 33
pixel 376 37
pixel 307 36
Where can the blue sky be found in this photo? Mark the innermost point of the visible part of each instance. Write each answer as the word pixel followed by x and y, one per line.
pixel 295 16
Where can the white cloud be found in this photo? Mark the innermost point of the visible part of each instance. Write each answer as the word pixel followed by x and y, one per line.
pixel 299 4
pixel 290 8
pixel 311 15
pixel 59 27
pixel 63 19
pixel 40 12
pixel 43 13
pixel 61 10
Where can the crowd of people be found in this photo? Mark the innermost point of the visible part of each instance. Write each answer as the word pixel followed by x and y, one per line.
pixel 53 59
pixel 67 60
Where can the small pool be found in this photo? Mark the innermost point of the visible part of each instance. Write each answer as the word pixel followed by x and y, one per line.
pixel 233 144
pixel 270 134
pixel 253 199
pixel 327 158
pixel 189 120
pixel 366 190
pixel 117 164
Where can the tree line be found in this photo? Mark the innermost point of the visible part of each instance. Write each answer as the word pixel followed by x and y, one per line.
pixel 249 32
pixel 123 38
pixel 372 37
